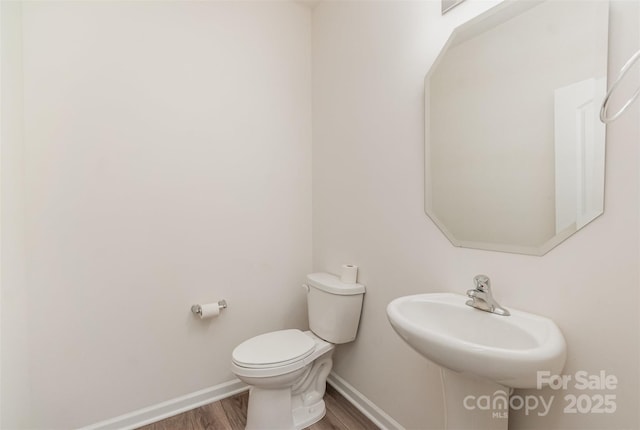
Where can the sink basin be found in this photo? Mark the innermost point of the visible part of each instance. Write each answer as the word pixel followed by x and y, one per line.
pixel 508 350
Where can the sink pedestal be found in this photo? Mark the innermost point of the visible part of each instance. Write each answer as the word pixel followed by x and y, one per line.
pixel 473 403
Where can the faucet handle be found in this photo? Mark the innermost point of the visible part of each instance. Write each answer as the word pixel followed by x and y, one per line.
pixel 482 283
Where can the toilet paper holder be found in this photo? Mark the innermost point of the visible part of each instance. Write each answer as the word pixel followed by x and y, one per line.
pixel 197 309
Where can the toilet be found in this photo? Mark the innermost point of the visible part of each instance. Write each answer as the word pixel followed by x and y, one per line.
pixel 287 369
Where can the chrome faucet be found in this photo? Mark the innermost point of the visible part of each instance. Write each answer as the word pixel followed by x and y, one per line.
pixel 481 297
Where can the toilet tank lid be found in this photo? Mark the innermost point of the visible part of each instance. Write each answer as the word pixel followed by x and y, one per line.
pixel 332 284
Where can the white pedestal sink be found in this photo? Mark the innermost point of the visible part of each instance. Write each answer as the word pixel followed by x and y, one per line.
pixel 483 355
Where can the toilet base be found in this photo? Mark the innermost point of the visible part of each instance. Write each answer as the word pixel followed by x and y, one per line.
pixel 304 416
pixel 268 411
pixel 269 406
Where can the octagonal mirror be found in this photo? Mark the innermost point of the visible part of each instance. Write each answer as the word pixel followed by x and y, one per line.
pixel 514 149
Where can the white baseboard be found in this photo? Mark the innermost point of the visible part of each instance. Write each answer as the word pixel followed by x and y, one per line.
pixel 151 414
pixel 364 405
pixel 170 408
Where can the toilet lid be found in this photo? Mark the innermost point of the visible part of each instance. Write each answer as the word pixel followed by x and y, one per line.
pixel 277 348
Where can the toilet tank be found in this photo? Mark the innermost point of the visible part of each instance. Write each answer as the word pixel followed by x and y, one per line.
pixel 334 307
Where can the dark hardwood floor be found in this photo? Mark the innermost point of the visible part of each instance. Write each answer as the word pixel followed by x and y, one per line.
pixel 231 414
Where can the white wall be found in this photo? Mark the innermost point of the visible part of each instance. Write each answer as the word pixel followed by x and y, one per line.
pixel 369 61
pixel 14 388
pixel 167 162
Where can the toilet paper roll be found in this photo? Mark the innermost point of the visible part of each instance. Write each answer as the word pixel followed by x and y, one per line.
pixel 209 310
pixel 349 274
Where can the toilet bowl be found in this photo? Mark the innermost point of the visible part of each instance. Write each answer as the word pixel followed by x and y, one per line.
pixel 287 369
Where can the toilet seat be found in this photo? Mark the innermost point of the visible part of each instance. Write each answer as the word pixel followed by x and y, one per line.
pixel 273 350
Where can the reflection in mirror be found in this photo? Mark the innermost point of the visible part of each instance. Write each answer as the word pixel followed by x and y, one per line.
pixel 514 149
